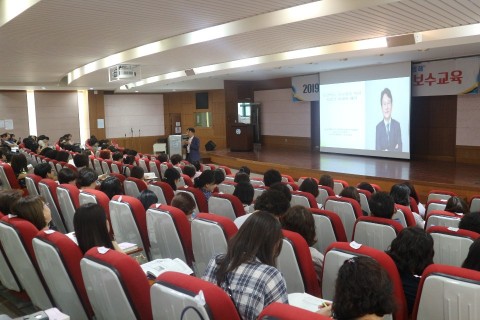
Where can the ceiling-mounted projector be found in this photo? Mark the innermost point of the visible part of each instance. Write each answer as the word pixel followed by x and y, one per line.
pixel 123 72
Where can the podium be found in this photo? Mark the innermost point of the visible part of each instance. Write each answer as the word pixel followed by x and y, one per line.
pixel 242 137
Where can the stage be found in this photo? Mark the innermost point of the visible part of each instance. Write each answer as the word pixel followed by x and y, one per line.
pixel 464 179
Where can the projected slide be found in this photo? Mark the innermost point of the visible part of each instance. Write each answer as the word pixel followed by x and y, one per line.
pixel 366 117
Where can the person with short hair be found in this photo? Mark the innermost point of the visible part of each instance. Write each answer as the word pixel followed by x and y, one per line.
pixel 137 172
pixel 7 198
pixel 219 176
pixel 244 169
pixel 193 146
pixel 117 156
pixel 34 210
pixel 271 176
pixel 300 220
pixel 80 161
pixel 366 186
pixel 401 195
pixel 363 291
pixel 472 261
pixel 388 132
pixel 184 202
pixel 247 271
pixel 283 188
pixel 412 251
pixel 87 179
pixel 189 170
pixel 381 205
pixel 147 197
pixel 206 183
pixel 176 159
pixel 92 228
pixel 470 221
pixel 309 185
pixel 241 177
pixel 162 157
pixel 111 186
pixel 62 156
pixel 326 180
pixel 43 170
pixel 67 176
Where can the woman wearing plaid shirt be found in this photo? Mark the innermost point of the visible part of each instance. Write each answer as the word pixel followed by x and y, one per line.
pixel 247 271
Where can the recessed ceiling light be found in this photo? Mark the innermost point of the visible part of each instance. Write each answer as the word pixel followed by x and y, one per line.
pixel 136 91
pixel 90 88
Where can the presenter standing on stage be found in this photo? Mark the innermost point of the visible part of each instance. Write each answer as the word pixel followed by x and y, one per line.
pixel 193 146
pixel 388 133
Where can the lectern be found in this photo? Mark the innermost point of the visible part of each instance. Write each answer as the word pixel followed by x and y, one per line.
pixel 242 137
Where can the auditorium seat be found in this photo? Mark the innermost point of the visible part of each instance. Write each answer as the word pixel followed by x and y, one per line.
pixel 169 233
pixel 144 163
pixel 291 185
pixel 8 179
pixel 436 204
pixel 256 182
pixel 164 166
pixel 117 167
pixel 174 292
pixel 226 205
pixel 348 210
pixel 129 221
pixel 414 205
pixel 210 234
pixel 116 285
pixel 133 186
pixel 97 166
pixel 119 176
pixel 442 218
pixel 257 191
pixel 323 193
pixel 339 185
pixel 301 179
pixel 295 263
pixel 154 166
pixel 451 245
pixel 98 197
pixel 68 201
pixel 328 227
pixel 364 198
pixel 440 195
pixel 186 180
pixel 475 203
pixel 163 191
pixel 448 293
pixel 404 216
pixel 59 258
pixel 59 166
pixel 227 186
pixel 31 181
pixel 338 252
pixel 198 196
pixel 48 190
pixel 106 165
pixel 8 278
pixel 283 311
pixel 287 178
pixel 305 199
pixel 16 237
pixel 376 232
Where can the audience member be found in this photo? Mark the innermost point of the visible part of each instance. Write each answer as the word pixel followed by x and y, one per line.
pixel 111 186
pixel 206 183
pixel 472 261
pixel 7 198
pixel 401 195
pixel 412 251
pixel 147 198
pixel 309 185
pixel 470 221
pixel 67 175
pixel 271 200
pixel 172 177
pixel 326 180
pixel 352 193
pixel 62 156
pixel 80 161
pixel 43 141
pixel 247 271
pixel 43 170
pixel 282 187
pixel 50 153
pixel 87 179
pixel 271 176
pixel 219 176
pixel 117 156
pixel 366 186
pixel 241 177
pixel 244 192
pixel 33 209
pixel 162 157
pixel 92 228
pixel 184 202
pixel 414 195
pixel 105 154
pixel 176 159
pixel 19 165
pixel 381 205
pixel 457 205
pixel 244 169
pixel 300 220
pixel 189 170
pixel 363 291
pixel 137 172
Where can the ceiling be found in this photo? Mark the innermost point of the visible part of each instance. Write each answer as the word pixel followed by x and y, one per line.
pixel 69 44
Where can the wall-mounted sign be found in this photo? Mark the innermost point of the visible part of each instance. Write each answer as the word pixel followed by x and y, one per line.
pixel 306 88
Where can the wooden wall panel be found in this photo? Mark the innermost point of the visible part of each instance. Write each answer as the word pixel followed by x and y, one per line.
pixel 96 110
pixel 286 142
pixel 13 105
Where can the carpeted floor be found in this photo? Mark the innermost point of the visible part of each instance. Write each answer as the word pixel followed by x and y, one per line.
pixel 15 304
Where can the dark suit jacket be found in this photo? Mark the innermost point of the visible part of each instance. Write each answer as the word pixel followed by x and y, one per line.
pixel 194 154
pixel 382 141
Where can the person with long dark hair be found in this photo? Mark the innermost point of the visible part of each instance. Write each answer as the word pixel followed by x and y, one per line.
pixel 247 272
pixel 401 195
pixel 171 176
pixel 92 229
pixel 472 261
pixel 412 251
pixel 19 165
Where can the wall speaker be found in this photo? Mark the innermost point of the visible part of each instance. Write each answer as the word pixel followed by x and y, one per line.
pixel 210 145
pixel 404 40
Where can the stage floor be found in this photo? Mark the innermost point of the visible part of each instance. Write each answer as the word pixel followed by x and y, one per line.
pixel 462 178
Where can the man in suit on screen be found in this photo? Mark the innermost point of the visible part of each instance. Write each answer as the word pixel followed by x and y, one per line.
pixel 388 132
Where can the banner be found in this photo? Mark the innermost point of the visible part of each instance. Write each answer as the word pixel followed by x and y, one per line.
pixel 306 88
pixel 446 77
